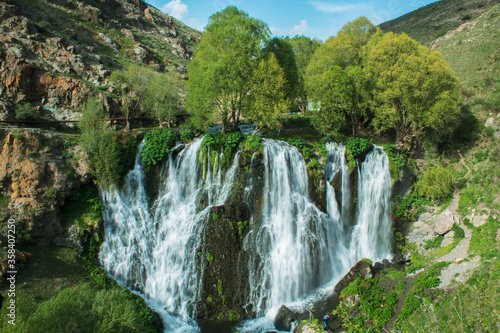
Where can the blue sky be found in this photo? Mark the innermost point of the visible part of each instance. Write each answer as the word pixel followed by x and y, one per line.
pixel 313 18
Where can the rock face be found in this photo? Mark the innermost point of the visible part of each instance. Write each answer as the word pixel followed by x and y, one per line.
pixel 36 181
pixel 222 257
pixel 55 55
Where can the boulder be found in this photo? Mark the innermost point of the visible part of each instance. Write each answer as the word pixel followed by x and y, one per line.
pixel 284 319
pixel 303 328
pixel 362 268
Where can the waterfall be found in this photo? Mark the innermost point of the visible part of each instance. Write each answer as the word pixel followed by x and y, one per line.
pixel 372 235
pixel 153 250
pixel 293 248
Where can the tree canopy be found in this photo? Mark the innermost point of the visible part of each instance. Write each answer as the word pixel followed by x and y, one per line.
pixel 415 90
pixel 222 68
pixel 335 80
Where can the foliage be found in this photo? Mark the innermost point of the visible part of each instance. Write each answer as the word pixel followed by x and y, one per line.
pixel 269 100
pixel 186 135
pixel 356 146
pixel 471 306
pixel 336 83
pixel 303 48
pixel 157 146
pixel 282 50
pixel 253 143
pixel 484 238
pixel 133 83
pixel 396 162
pixel 409 206
pixel 25 111
pixel 415 90
pixel 425 280
pixel 161 99
pixel 86 309
pixel 375 306
pixel 98 141
pixel 222 68
pixel 437 183
pixel 216 143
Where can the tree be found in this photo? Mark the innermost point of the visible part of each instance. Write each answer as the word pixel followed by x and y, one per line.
pixel 161 99
pixel 270 102
pixel 415 90
pixel 303 48
pixel 335 80
pixel 283 51
pixel 98 141
pixel 221 69
pixel 133 83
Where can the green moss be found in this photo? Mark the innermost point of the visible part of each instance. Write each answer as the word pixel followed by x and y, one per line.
pixel 210 299
pixel 210 258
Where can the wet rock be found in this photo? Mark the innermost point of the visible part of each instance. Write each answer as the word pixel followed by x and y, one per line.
pixel 284 319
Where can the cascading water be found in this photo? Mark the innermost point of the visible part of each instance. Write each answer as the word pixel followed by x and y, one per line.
pixel 155 253
pixel 293 247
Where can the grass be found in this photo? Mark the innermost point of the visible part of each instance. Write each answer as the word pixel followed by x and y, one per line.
pixel 428 23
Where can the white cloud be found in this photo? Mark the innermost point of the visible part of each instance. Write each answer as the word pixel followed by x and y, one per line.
pixel 176 9
pixel 299 29
pixel 328 7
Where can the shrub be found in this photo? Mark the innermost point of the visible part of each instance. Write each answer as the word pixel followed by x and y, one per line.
pixel 26 112
pixel 157 146
pixel 436 183
pixel 100 144
pixel 186 135
pixel 356 146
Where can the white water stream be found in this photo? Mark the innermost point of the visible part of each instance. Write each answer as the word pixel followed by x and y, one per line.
pixel 294 248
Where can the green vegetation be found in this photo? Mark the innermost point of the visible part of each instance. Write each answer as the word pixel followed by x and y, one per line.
pixel 98 141
pixel 25 111
pixel 222 68
pixel 336 83
pixel 437 183
pixel 372 307
pixel 157 146
pixel 484 238
pixel 210 258
pixel 428 23
pixel 213 144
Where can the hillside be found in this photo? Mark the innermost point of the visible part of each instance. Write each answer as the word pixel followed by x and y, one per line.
pixel 55 54
pixel 435 20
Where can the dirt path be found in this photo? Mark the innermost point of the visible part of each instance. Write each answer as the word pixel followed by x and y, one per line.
pixel 461 266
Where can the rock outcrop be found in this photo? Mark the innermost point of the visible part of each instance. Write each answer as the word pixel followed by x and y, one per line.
pixel 55 55
pixel 37 175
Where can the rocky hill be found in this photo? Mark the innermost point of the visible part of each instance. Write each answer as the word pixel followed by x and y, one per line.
pixel 435 20
pixel 54 54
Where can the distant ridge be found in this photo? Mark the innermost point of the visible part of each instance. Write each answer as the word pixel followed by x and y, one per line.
pixel 430 22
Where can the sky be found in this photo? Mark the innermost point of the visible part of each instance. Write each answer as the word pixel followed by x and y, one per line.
pixel 313 18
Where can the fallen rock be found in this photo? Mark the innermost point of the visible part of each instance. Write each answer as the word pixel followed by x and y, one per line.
pixel 284 319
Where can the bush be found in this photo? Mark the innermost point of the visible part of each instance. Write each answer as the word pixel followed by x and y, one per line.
pixel 86 309
pixel 100 144
pixel 356 146
pixel 26 112
pixel 436 183
pixel 157 147
pixel 186 135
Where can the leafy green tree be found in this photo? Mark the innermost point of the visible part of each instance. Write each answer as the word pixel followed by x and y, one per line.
pixel 415 90
pixel 161 99
pixel 98 141
pixel 303 48
pixel 221 69
pixel 336 83
pixel 283 51
pixel 270 103
pixel 133 83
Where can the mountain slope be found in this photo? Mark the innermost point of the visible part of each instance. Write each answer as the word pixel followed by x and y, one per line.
pixel 54 54
pixel 435 20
